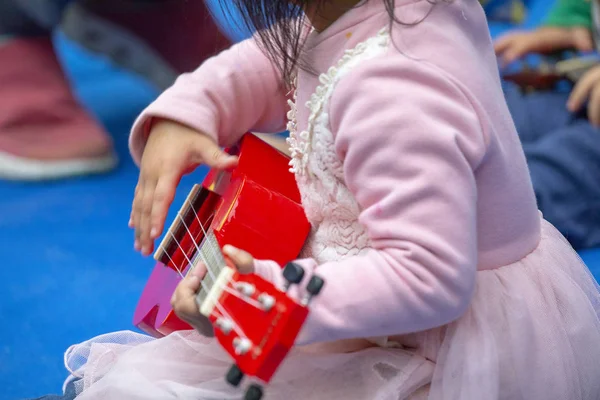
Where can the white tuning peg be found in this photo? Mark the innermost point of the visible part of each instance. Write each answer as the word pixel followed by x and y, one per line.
pixel 242 345
pixel 225 325
pixel 267 301
pixel 245 288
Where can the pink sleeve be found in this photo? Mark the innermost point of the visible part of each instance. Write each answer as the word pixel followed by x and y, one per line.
pixel 410 142
pixel 228 95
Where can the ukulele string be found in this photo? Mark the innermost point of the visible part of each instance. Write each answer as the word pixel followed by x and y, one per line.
pixel 205 233
pixel 213 246
pixel 198 249
pixel 176 267
pixel 226 288
pixel 206 238
pixel 229 290
pixel 170 259
pixel 218 305
pixel 211 242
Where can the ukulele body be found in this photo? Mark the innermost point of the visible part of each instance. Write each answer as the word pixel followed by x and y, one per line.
pixel 255 207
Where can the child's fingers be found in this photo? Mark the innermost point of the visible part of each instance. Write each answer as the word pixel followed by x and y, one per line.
pixel 512 47
pixel 163 197
pixel 190 285
pixel 582 89
pixel 136 211
pixel 136 192
pixel 187 288
pixel 184 301
pixel 515 52
pixel 594 106
pixel 242 260
pixel 582 39
pixel 206 151
pixel 503 43
pixel 184 297
pixel 146 212
pixel 226 161
pixel 131 224
pixel 199 271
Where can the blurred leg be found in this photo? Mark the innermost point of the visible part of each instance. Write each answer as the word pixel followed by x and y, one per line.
pixel 565 170
pixel 563 153
pixel 44 132
pixel 537 113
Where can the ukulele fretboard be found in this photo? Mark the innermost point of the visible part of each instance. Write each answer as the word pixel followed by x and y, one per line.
pixel 209 254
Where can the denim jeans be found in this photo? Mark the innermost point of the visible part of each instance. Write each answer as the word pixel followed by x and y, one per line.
pixel 563 154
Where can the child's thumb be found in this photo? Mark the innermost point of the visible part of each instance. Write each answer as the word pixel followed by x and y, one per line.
pixel 242 260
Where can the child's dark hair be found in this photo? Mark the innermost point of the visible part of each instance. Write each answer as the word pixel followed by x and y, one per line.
pixel 279 25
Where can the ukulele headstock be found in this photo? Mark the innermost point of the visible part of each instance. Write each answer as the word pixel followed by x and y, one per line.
pixel 256 322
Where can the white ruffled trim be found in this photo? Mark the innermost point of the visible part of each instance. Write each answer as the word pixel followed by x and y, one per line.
pixel 300 142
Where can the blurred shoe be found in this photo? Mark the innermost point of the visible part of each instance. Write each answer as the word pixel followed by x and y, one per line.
pixel 157 39
pixel 44 132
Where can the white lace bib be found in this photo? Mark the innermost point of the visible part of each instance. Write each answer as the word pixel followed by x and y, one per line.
pixel 329 205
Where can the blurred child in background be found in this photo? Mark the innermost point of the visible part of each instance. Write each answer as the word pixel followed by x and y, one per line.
pixel 44 132
pixel 559 131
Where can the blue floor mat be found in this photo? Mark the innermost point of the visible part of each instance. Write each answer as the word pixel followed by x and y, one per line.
pixel 70 271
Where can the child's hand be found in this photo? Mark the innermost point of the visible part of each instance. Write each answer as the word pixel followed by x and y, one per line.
pixel 172 150
pixel 544 40
pixel 587 88
pixel 184 301
pixel 184 298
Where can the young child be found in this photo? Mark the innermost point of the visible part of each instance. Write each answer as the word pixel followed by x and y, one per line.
pixel 442 279
pixel 559 130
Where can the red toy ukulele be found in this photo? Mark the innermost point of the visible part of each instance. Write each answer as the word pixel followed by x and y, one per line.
pixel 255 207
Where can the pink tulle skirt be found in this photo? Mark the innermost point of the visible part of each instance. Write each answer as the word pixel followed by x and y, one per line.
pixel 532 333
